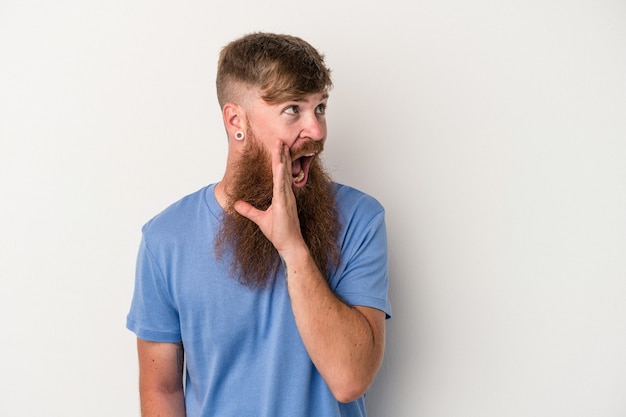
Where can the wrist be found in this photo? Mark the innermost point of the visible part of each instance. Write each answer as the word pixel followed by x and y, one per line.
pixel 296 258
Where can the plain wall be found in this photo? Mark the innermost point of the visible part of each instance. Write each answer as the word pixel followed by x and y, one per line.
pixel 494 132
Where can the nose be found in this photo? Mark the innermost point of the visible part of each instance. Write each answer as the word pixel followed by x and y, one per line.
pixel 314 127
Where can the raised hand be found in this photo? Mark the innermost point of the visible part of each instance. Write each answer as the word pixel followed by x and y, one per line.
pixel 279 223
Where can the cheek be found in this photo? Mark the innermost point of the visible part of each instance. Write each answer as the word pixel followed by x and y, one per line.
pixel 288 136
pixel 271 133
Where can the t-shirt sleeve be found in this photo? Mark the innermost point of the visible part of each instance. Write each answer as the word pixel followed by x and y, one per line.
pixel 152 314
pixel 362 277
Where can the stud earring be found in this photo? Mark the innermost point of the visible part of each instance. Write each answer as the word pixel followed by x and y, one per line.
pixel 239 135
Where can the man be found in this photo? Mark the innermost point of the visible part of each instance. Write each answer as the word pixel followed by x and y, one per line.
pixel 267 290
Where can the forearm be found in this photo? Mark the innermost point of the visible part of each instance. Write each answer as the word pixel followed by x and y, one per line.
pixel 343 342
pixel 162 404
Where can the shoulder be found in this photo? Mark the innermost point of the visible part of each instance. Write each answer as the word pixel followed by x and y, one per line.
pixel 178 216
pixel 351 201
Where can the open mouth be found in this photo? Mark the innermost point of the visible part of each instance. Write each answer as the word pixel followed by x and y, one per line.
pixel 300 168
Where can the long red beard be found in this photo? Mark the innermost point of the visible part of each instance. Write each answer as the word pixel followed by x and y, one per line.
pixel 255 261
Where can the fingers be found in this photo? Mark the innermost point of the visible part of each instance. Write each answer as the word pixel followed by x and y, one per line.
pixel 287 162
pixel 281 168
pixel 277 168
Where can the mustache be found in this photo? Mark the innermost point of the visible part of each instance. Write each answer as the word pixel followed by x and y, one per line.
pixel 307 147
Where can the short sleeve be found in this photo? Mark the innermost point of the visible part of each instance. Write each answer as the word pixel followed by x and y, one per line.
pixel 362 277
pixel 152 314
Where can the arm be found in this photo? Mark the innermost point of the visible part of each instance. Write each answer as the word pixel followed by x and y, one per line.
pixel 345 343
pixel 161 379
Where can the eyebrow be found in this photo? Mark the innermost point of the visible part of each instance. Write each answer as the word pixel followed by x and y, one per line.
pixel 324 97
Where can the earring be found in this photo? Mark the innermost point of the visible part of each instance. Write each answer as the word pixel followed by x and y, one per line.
pixel 239 135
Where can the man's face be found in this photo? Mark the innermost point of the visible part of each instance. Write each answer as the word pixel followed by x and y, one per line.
pixel 299 124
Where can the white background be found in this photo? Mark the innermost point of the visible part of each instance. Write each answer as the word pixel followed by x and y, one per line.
pixel 494 132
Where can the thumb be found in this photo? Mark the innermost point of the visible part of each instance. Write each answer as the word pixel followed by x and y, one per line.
pixel 247 210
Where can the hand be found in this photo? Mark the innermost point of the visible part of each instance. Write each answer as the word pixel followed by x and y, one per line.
pixel 279 223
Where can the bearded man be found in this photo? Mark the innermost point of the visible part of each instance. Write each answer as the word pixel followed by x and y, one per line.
pixel 264 294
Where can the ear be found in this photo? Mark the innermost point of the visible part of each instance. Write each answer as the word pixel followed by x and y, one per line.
pixel 234 119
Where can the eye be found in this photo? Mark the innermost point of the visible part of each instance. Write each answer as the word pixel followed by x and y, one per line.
pixel 293 109
pixel 321 109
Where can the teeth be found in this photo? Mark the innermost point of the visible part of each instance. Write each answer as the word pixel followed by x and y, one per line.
pixel 306 155
pixel 300 177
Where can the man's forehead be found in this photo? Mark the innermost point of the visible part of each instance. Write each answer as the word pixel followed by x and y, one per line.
pixel 303 98
pixel 313 97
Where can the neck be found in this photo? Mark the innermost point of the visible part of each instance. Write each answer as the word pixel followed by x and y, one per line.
pixel 221 194
pixel 225 187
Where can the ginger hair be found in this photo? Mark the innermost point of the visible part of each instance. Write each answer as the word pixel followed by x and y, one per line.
pixel 283 67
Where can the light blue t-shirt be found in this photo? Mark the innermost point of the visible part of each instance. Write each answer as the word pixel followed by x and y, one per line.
pixel 245 357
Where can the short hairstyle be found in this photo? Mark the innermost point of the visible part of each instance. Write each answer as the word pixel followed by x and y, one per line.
pixel 284 67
